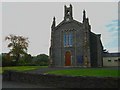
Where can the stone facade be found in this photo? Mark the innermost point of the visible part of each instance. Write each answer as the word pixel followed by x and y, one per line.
pixel 73 43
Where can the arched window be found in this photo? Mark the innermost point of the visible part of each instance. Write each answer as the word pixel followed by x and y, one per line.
pixel 68 39
pixel 64 39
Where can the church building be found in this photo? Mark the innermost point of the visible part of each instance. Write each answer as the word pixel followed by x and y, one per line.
pixel 73 43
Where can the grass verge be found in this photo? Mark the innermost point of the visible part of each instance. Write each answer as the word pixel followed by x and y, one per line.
pixel 87 72
pixel 21 68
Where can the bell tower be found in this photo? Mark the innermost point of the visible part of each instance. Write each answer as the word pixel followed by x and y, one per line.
pixel 68 13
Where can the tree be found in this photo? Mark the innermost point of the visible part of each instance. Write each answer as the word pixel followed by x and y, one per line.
pixel 7 60
pixel 28 58
pixel 0 59
pixel 25 60
pixel 18 46
pixel 41 59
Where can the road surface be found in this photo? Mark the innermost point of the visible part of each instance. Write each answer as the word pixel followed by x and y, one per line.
pixel 12 84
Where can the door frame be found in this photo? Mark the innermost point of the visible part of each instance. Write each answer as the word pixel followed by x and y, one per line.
pixel 70 58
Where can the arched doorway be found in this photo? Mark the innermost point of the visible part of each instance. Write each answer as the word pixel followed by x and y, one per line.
pixel 68 58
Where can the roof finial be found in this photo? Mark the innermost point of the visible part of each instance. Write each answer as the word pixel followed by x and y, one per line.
pixel 54 18
pixel 53 24
pixel 84 15
pixel 70 5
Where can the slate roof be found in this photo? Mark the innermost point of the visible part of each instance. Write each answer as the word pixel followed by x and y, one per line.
pixel 63 22
pixel 111 54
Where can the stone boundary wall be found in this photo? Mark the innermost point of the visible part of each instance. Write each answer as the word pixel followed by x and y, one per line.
pixel 62 81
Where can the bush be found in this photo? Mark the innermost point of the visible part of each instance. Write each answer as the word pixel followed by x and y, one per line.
pixel 7 60
pixel 41 60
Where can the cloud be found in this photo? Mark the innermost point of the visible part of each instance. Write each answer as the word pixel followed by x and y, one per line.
pixel 112 29
pixel 113 26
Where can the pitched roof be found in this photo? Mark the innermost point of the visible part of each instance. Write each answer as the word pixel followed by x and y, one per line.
pixel 111 54
pixel 64 22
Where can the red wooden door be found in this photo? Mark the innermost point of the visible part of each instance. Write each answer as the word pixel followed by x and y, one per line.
pixel 67 58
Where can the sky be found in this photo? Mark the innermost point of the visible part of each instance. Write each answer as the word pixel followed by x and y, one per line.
pixel 34 19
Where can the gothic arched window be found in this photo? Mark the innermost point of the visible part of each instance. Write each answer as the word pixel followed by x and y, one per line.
pixel 64 39
pixel 68 39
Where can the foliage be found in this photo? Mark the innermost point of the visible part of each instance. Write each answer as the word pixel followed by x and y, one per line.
pixel 18 53
pixel 41 59
pixel 0 59
pixel 25 60
pixel 86 72
pixel 0 70
pixel 7 60
pixel 18 46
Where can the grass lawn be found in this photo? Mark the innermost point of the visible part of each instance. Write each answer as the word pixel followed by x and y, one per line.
pixel 86 72
pixel 21 68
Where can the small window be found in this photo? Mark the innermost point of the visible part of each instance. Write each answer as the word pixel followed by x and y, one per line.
pixel 109 60
pixel 115 60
